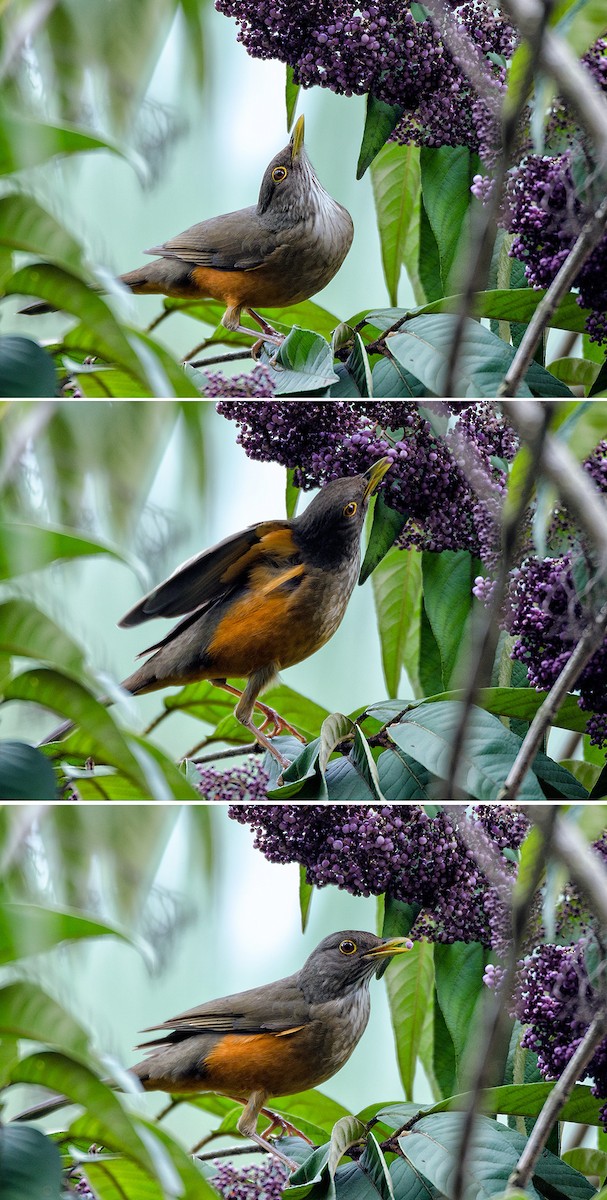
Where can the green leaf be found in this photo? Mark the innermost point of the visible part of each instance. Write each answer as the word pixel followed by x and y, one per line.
pixel 359 368
pixel 430 665
pixel 304 362
pixel 215 707
pixel 26 1011
pixel 376 1168
pixel 380 120
pixel 575 372
pixel 24 225
pixel 26 548
pixel 401 777
pixel 308 315
pixel 66 291
pixel 53 1070
pixel 446 178
pixel 390 379
pixel 26 369
pixel 519 703
pixel 527 1100
pixel 26 631
pixel 587 1161
pixel 345 1133
pixel 30 1165
pixel 518 305
pixel 335 729
pixel 489 752
pixel 386 526
pixel 25 773
pixel 447 599
pixel 442 1067
pixel 423 347
pixel 397 592
pixel 306 891
pixel 408 1183
pixel 410 985
pixel 428 264
pixel 579 24
pixel 292 494
pixel 31 928
pixel 459 972
pixel 291 94
pixel 116 1179
pixel 395 175
pixel 25 143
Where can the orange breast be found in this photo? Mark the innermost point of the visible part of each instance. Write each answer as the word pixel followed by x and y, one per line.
pixel 276 1063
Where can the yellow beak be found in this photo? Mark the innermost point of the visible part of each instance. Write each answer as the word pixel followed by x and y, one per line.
pixel 297 138
pixel 375 475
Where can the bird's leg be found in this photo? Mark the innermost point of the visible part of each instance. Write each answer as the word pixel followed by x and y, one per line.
pixel 269 333
pixel 247 1125
pixel 244 713
pixel 279 1122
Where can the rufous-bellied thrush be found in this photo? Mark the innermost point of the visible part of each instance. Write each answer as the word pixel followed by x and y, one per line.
pixel 273 1040
pixel 275 253
pixel 261 600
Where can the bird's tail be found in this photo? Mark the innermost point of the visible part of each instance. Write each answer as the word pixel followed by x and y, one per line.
pixel 36 310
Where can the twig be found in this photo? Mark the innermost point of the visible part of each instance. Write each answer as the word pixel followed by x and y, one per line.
pixel 166 312
pixel 495 1030
pixel 156 722
pixel 484 637
pixel 589 237
pixel 587 645
pixel 231 752
pixel 233 356
pixel 249 1149
pixel 558 1097
pixel 574 486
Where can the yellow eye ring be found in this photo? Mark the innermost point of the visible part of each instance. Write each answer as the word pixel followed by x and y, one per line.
pixel 347 947
pixel 350 509
pixel 278 174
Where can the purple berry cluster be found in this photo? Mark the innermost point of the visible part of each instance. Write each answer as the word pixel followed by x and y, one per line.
pixel 544 211
pixel 249 782
pixel 557 999
pixel 453 865
pixel 265 1181
pixel 390 49
pixel 449 484
pixel 258 382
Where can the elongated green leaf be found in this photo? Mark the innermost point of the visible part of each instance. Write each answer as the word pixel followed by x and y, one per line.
pixel 31 928
pixel 25 143
pixel 51 1069
pixel 490 749
pixel 402 777
pixel 527 1100
pixel 397 592
pixel 25 773
pixel 26 369
pixel 345 1133
pixel 447 598
pixel 30 1165
pixel 26 631
pixel 519 305
pixel 291 94
pixel 459 982
pixel 386 526
pixel 428 263
pixel 115 1179
pixel 26 548
pixel 24 225
pixel 446 178
pixel 587 1161
pixel 409 1184
pixel 410 985
pixel 375 1167
pixel 306 891
pixel 335 728
pixel 380 120
pixel 26 1011
pixel 390 379
pixel 395 175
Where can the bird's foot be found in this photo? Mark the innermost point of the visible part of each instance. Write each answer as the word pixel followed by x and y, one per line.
pixel 274 724
pixel 271 1148
pixel 281 1123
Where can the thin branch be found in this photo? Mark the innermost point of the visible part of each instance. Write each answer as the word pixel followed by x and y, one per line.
pixel 589 237
pixel 231 752
pixel 249 1149
pixel 166 312
pixel 586 647
pixel 233 356
pixel 573 484
pixel 157 721
pixel 494 1032
pixel 484 636
pixel 558 1097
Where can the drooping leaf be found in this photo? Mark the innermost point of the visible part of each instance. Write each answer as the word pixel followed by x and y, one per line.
pixel 380 120
pixel 395 175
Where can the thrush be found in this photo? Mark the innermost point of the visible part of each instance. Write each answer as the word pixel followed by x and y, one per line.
pixel 273 254
pixel 261 600
pixel 273 1040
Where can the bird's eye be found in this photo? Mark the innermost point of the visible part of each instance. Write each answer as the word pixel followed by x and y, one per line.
pixel 350 509
pixel 347 947
pixel 279 173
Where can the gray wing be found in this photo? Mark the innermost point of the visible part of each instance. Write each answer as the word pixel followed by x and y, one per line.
pixel 273 1008
pixel 236 241
pixel 205 579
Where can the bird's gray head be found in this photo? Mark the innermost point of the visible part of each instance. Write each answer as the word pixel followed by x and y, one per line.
pixel 329 530
pixel 344 962
pixel 289 188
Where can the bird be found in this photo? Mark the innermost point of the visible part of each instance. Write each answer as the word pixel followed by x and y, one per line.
pixel 273 254
pixel 277 1039
pixel 257 602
